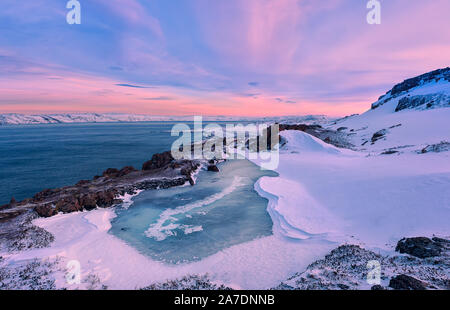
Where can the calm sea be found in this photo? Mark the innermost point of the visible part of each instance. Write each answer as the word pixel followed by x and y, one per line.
pixel 36 157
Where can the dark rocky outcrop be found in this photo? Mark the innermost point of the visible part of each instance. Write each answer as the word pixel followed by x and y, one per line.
pixel 337 138
pixel 423 102
pixel 405 282
pixel 158 161
pixel 421 79
pixel 421 247
pixel 162 171
pixel 379 135
pixel 46 210
pixel 409 84
pixel 110 172
pixel 213 168
pixel 444 146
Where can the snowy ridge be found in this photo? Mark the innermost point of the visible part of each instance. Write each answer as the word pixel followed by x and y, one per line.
pixel 409 118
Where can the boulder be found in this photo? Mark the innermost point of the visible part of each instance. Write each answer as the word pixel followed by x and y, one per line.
pixel 68 205
pixel 213 168
pixel 47 210
pixel 378 135
pixel 88 201
pixel 421 247
pixel 110 172
pixel 404 282
pixel 106 199
pixel 126 170
pixel 158 161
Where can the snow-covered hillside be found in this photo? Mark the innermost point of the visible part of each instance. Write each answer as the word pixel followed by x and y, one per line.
pixel 412 116
pixel 23 119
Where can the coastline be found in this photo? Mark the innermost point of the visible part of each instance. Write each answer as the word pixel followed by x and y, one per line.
pixel 259 264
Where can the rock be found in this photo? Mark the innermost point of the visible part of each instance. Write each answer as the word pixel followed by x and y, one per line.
pixel 389 152
pixel 126 170
pixel 88 201
pixel 404 282
pixel 158 161
pixel 82 182
pixel 423 102
pixel 47 210
pixel 378 135
pixel 191 181
pixel 342 128
pixel 110 172
pixel 45 194
pixel 441 240
pixel 106 199
pixel 444 146
pixel 213 168
pixel 68 205
pixel 377 288
pixel 421 247
pixel 421 79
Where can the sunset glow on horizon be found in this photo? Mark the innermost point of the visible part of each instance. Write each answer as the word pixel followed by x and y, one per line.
pixel 237 58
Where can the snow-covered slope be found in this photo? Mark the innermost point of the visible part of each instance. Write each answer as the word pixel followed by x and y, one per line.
pixel 23 119
pixel 411 116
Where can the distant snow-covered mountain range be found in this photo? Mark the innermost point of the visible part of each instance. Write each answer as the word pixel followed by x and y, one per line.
pixel 24 119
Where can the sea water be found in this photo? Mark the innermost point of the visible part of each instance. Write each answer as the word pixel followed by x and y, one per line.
pixel 172 225
pixel 36 157
pixel 189 223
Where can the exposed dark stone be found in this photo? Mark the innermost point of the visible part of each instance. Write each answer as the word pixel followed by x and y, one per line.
pixel 106 199
pixel 45 194
pixel 404 282
pixel 83 182
pixel 410 102
pixel 424 78
pixel 342 128
pixel 104 192
pixel 343 286
pixel 377 288
pixel 421 247
pixel 411 83
pixel 213 168
pixel 45 210
pixel 444 146
pixel 441 240
pixel 88 201
pixel 110 172
pixel 126 170
pixel 389 152
pixel 68 205
pixel 158 161
pixel 378 135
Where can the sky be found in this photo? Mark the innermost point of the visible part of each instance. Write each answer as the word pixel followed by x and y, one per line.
pixel 214 57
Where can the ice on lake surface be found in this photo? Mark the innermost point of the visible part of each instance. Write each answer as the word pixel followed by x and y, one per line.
pixel 185 224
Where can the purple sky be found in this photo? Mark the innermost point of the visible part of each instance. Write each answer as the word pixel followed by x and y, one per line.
pixel 234 57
